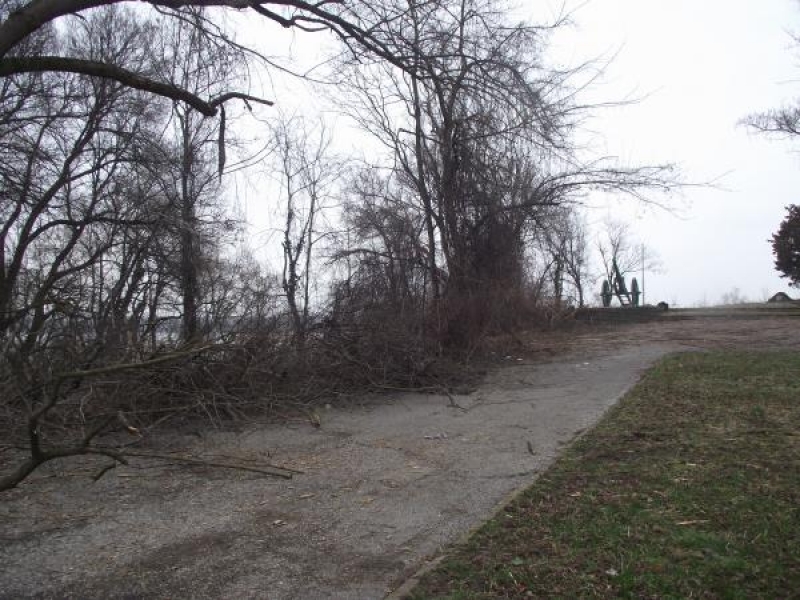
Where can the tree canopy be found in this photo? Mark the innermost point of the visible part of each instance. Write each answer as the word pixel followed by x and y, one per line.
pixel 786 245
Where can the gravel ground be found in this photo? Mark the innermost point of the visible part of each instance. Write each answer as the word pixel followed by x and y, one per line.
pixel 385 485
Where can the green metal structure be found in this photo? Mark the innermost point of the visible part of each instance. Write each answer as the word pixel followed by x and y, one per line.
pixel 616 287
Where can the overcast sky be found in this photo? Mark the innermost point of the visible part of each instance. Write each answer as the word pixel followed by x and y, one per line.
pixel 698 67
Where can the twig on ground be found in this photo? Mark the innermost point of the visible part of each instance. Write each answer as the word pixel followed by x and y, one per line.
pixel 97 476
pixel 441 389
pixel 266 469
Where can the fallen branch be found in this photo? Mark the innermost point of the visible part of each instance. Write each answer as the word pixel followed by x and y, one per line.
pixel 440 389
pixel 29 466
pixel 267 469
pixel 97 476
pixel 134 365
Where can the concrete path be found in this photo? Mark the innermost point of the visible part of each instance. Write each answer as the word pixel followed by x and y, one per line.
pixel 385 486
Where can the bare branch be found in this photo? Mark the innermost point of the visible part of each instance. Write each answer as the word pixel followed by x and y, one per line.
pixel 209 108
pixel 131 366
pixel 785 121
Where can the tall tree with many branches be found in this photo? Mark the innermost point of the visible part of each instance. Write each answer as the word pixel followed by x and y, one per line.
pixel 482 131
pixel 66 206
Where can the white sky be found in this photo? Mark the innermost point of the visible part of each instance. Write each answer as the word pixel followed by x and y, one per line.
pixel 699 67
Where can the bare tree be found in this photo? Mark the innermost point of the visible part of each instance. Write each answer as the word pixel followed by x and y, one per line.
pixel 65 207
pixel 562 238
pixel 471 90
pixel 617 245
pixel 784 121
pixel 192 61
pixel 240 297
pixel 481 131
pixel 732 297
pixel 306 171
pixel 386 237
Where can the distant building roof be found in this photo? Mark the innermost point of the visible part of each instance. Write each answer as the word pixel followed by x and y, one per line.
pixel 780 297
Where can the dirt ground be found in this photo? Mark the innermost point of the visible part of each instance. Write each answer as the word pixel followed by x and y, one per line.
pixel 386 482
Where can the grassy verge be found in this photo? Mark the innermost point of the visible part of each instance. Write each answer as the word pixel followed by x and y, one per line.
pixel 689 488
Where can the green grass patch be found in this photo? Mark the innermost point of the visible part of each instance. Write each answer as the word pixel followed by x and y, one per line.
pixel 689 488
